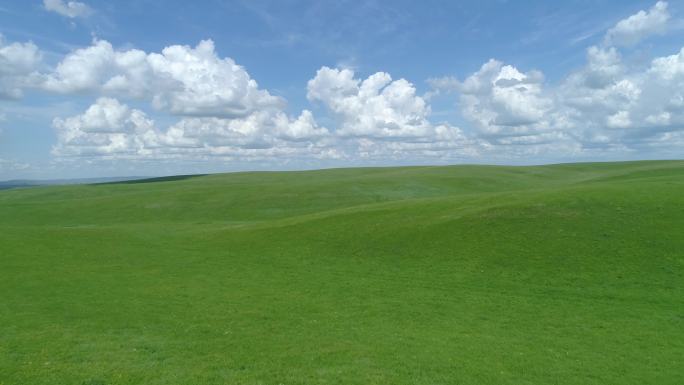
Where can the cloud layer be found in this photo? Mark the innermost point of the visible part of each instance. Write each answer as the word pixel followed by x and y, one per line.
pixel 607 105
pixel 639 26
pixel 190 81
pixel 70 9
pixel 18 65
pixel 221 112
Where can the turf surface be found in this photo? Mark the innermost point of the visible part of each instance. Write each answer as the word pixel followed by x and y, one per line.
pixel 563 274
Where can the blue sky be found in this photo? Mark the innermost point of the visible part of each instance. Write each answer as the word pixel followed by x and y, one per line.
pixel 94 88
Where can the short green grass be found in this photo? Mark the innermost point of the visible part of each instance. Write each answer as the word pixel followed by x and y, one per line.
pixel 563 274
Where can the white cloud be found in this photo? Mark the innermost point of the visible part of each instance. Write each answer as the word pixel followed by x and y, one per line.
pixel 105 128
pixel 503 101
pixel 445 83
pixel 593 97
pixel 302 128
pixel 18 64
pixel 662 93
pixel 393 124
pixel 607 105
pixel 668 68
pixel 448 144
pixel 619 120
pixel 70 9
pixel 261 130
pixel 111 129
pixel 378 118
pixel 203 84
pixel 84 69
pixel 182 80
pixel 611 103
pixel 222 113
pixel 639 26
pixel 376 107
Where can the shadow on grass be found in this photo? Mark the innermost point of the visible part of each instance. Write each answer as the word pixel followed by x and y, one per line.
pixel 153 180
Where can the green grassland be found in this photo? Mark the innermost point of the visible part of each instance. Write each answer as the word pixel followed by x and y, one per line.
pixel 562 274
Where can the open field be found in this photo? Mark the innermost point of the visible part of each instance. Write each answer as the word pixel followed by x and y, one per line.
pixel 563 274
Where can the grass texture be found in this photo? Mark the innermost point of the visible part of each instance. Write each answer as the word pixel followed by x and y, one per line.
pixel 561 274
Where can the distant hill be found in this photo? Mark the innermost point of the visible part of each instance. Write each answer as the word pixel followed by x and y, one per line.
pixel 16 183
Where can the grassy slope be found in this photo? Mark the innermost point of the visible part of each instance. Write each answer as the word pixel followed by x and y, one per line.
pixel 565 274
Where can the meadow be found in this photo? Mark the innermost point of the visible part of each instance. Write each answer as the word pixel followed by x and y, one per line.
pixel 559 274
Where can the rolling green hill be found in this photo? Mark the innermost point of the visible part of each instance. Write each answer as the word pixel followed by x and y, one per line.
pixel 562 274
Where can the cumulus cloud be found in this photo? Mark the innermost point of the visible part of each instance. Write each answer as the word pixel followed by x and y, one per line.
pixel 611 103
pixel 380 118
pixel 376 107
pixel 220 112
pixel 111 129
pixel 181 79
pixel 105 128
pixel 606 105
pixel 598 95
pixel 661 102
pixel 503 101
pixel 18 64
pixel 639 26
pixel 260 130
pixel 85 69
pixel 205 84
pixel 376 118
pixel 70 9
pixel 447 144
pixel 445 83
pixel 507 107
